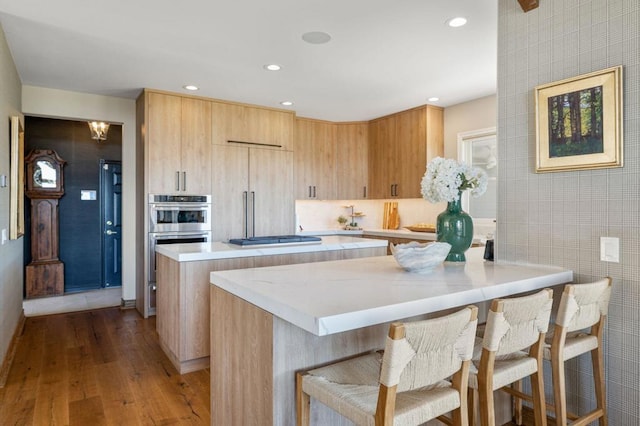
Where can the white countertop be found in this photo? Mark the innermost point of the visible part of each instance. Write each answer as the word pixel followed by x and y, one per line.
pixel 392 233
pixel 401 233
pixel 192 252
pixel 332 297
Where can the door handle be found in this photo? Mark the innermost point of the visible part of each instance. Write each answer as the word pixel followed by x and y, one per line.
pixel 110 232
pixel 184 181
pixel 109 222
pixel 364 191
pixel 177 181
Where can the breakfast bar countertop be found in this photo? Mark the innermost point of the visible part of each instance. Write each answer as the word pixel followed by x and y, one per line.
pixel 193 252
pixel 332 297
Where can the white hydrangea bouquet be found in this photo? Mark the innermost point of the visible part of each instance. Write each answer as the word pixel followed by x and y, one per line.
pixel 445 179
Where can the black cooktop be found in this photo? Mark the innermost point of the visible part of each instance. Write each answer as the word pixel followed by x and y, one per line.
pixel 274 239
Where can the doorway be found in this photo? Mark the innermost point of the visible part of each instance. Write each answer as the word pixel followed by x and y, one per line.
pixel 111 219
pixel 80 208
pixel 479 149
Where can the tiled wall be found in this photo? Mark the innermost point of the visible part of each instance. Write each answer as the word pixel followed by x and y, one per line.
pixel 558 218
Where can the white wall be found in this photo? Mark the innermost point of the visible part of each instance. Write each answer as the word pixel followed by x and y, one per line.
pixel 473 115
pixel 63 104
pixel 11 253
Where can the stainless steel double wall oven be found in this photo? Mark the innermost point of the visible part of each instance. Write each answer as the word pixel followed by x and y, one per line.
pixel 175 219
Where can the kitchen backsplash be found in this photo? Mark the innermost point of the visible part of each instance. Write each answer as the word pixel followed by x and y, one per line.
pixel 314 215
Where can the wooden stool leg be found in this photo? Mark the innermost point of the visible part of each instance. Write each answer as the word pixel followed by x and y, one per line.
pixel 598 376
pixel 472 406
pixel 539 404
pixel 557 371
pixel 487 412
pixel 303 402
pixel 517 404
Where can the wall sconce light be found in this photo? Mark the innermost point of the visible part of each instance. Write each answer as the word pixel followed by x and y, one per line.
pixel 99 130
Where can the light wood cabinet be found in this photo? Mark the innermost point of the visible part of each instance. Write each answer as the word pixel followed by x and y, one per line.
pixel 352 160
pixel 400 145
pixel 178 144
pixel 252 192
pixel 252 125
pixel 183 299
pixel 182 309
pixel 196 146
pixel 315 159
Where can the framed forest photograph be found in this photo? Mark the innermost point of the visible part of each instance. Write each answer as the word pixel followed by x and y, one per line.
pixel 579 122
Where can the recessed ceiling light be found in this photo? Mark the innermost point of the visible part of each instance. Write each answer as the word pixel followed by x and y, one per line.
pixel 190 87
pixel 316 37
pixel 433 99
pixel 456 22
pixel 286 103
pixel 272 67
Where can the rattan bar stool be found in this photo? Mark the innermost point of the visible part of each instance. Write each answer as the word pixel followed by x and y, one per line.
pixel 582 307
pixel 510 350
pixel 407 383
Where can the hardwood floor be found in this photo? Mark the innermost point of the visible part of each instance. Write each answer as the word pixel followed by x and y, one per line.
pixel 102 367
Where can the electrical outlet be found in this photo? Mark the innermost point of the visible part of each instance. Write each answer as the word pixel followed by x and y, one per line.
pixel 4 236
pixel 610 249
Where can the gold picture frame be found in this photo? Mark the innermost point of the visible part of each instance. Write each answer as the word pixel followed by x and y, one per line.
pixel 579 122
pixel 16 216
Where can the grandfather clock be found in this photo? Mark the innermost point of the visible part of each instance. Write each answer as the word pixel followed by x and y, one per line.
pixel 45 186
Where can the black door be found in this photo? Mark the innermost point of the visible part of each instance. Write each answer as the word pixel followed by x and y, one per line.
pixel 111 190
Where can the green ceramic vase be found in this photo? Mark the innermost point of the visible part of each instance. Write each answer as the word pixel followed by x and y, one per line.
pixel 455 227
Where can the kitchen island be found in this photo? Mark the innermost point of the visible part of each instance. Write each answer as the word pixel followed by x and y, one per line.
pixel 182 294
pixel 268 323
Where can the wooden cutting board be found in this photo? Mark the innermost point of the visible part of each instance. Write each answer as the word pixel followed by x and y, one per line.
pixel 390 217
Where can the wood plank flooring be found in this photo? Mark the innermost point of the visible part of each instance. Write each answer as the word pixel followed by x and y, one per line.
pixel 102 367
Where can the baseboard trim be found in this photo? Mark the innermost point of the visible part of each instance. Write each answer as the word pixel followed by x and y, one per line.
pixel 127 304
pixel 11 351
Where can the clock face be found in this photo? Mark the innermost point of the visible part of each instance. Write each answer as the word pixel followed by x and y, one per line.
pixel 44 175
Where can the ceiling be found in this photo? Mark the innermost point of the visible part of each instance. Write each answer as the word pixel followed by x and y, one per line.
pixel 384 55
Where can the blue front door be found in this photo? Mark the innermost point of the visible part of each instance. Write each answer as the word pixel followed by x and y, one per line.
pixel 111 181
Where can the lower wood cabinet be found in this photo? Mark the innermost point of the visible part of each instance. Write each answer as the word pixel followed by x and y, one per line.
pixel 183 305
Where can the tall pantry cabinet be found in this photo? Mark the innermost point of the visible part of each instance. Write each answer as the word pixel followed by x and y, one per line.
pixel 252 166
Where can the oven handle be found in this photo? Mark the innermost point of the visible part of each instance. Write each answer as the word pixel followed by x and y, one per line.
pixel 176 207
pixel 173 236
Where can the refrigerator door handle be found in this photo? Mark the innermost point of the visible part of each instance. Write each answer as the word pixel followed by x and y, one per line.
pixel 245 202
pixel 253 213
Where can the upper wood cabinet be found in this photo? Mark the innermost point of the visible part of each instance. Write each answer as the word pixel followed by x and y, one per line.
pixel 315 159
pixel 400 145
pixel 351 160
pixel 177 144
pixel 246 124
